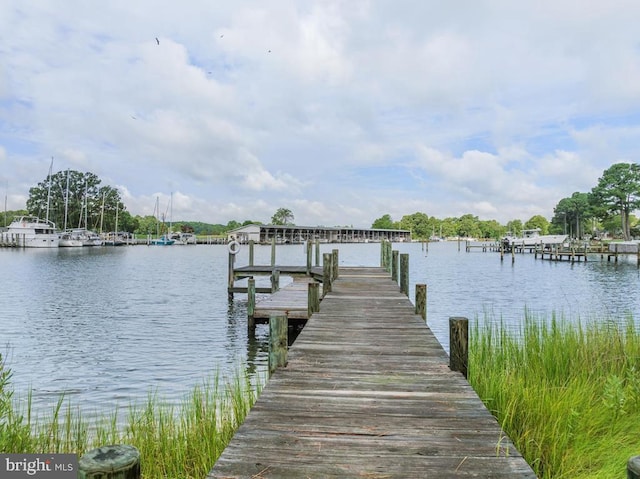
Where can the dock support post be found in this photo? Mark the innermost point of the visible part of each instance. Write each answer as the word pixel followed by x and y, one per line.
pixel 334 264
pixel 251 305
pixel 394 265
pixel 230 276
pixel 421 301
pixel 326 273
pixel 313 299
pixel 513 254
pixel 110 462
pixel 633 468
pixel 309 256
pixel 317 252
pixel 273 251
pixel 404 273
pixel 251 244
pixel 501 251
pixel 278 340
pixel 459 344
pixel 275 280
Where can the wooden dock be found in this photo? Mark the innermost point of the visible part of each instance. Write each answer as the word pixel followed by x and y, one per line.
pixel 367 393
pixel 290 301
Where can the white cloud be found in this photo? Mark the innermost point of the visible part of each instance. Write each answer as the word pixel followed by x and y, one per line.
pixel 344 111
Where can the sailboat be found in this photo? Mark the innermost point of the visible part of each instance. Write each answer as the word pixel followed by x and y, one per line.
pixel 179 237
pixel 80 236
pixel 163 240
pixel 67 239
pixel 113 238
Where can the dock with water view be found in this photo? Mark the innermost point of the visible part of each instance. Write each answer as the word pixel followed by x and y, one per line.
pixel 366 390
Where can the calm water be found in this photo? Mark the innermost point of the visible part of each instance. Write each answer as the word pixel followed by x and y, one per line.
pixel 108 326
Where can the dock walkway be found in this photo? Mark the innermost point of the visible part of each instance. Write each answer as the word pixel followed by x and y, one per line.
pixel 367 392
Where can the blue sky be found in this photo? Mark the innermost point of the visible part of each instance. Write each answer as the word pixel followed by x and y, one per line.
pixel 341 111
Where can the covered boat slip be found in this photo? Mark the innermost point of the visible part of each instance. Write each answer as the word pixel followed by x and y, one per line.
pixel 367 392
pixel 281 234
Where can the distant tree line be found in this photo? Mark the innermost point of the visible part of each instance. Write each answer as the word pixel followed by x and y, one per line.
pixel 608 207
pixel 72 199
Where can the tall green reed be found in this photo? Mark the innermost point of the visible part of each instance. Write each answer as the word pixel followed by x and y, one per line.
pixel 566 392
pixel 177 441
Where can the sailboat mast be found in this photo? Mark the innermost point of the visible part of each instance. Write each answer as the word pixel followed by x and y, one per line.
pixel 49 188
pixel 66 203
pixel 86 205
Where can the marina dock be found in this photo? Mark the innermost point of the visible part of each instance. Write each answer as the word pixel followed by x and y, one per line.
pixel 367 392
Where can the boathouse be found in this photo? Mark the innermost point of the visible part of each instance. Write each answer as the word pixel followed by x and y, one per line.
pixel 299 234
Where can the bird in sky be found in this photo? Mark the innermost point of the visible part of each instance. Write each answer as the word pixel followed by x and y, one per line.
pixel 157 41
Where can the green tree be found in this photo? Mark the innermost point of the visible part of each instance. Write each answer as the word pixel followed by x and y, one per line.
pixel 420 225
pixel 384 222
pixel 492 229
pixel 147 225
pixel 283 216
pixel 515 227
pixel 469 226
pixel 618 191
pixel 538 221
pixel 63 196
pixel 572 214
pixel 449 227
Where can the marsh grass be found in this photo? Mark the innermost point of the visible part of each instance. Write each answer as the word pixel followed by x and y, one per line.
pixel 176 441
pixel 566 393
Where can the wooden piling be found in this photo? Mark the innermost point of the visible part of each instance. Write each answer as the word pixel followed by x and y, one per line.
pixel 309 256
pixel 313 295
pixel 326 273
pixel 317 252
pixel 110 462
pixel 251 304
pixel 278 339
pixel 230 276
pixel 273 251
pixel 459 344
pixel 335 272
pixel 404 273
pixel 394 265
pixel 633 468
pixel 275 280
pixel 421 300
pixel 251 245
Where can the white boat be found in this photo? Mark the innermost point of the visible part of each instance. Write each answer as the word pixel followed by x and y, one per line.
pixel 180 238
pixel 69 240
pixel 33 232
pixel 79 237
pixel 532 238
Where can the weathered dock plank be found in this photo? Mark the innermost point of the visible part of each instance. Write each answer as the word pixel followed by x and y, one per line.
pixel 292 301
pixel 367 392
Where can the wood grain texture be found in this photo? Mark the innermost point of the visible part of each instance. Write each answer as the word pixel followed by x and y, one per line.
pixel 367 393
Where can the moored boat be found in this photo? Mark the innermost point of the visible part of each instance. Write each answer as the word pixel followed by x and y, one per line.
pixel 162 241
pixel 79 237
pixel 34 232
pixel 532 239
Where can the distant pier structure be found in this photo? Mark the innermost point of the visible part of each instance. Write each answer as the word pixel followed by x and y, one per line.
pixel 291 234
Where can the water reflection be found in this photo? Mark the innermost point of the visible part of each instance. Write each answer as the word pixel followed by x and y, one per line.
pixel 110 325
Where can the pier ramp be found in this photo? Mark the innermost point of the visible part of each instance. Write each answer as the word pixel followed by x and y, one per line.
pixel 367 393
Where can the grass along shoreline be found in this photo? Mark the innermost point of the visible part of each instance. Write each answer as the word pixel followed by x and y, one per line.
pixel 567 393
pixel 182 441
